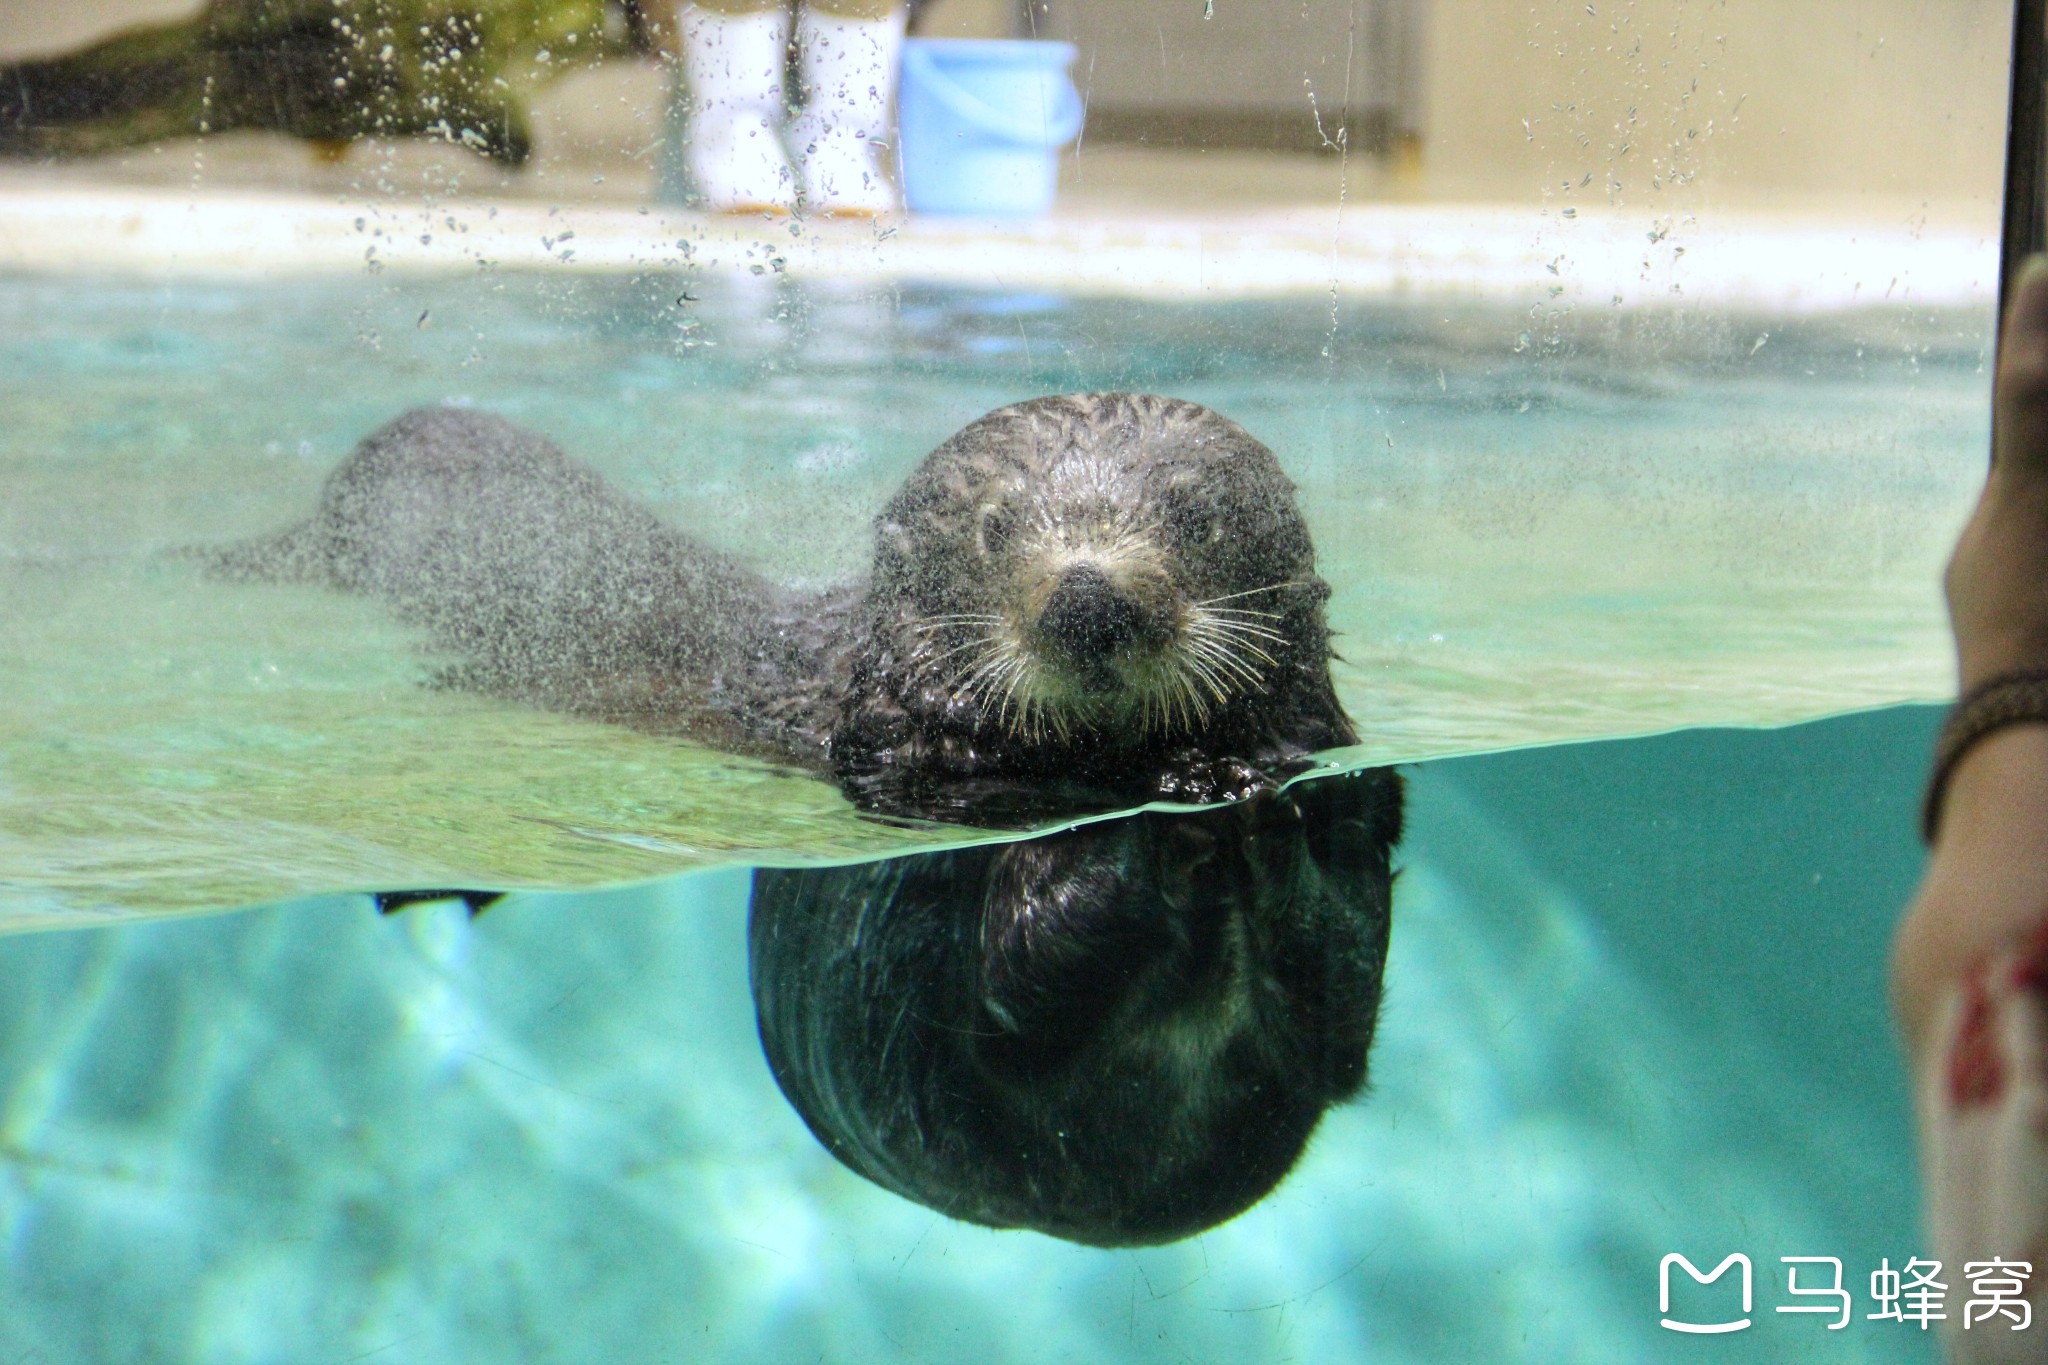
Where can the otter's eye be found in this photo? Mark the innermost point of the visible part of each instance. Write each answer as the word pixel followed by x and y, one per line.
pixel 1190 524
pixel 997 525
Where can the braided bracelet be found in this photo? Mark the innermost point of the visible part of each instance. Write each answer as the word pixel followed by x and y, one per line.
pixel 1990 706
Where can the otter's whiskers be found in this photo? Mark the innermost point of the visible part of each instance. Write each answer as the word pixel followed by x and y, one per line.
pixel 936 625
pixel 1218 654
pixel 1008 681
pixel 993 670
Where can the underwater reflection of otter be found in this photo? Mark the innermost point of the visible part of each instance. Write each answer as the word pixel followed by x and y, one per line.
pixel 1121 1034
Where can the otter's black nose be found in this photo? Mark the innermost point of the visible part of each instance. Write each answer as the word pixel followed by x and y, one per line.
pixel 1087 617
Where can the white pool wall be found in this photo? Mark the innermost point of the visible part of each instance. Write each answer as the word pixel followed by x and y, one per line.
pixel 1552 258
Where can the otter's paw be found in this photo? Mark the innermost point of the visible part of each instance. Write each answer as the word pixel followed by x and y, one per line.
pixel 1209 781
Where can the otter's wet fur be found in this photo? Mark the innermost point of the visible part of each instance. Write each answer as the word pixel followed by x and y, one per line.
pixel 1122 1034
pixel 1075 604
pixel 550 587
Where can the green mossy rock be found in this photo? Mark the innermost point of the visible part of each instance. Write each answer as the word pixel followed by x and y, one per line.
pixel 329 71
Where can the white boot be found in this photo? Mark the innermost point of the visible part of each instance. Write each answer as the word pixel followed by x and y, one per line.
pixel 848 68
pixel 734 65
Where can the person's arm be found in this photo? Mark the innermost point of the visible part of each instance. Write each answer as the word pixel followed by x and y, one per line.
pixel 1986 885
pixel 1970 965
pixel 1987 881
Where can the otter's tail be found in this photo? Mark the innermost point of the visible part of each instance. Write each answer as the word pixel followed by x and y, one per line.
pixel 293 555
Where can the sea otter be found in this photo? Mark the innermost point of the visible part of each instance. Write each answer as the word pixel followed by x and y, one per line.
pixel 1076 604
pixel 1119 1034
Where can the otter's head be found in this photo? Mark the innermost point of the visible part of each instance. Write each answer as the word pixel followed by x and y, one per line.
pixel 1105 561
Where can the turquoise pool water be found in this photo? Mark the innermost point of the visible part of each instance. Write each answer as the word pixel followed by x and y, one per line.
pixel 1635 1006
pixel 1635 991
pixel 1567 527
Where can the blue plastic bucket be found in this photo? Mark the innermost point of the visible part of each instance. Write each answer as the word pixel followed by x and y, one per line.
pixel 980 124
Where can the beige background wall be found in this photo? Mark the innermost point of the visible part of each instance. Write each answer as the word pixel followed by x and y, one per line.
pixel 1889 106
pixel 36 27
pixel 1796 99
